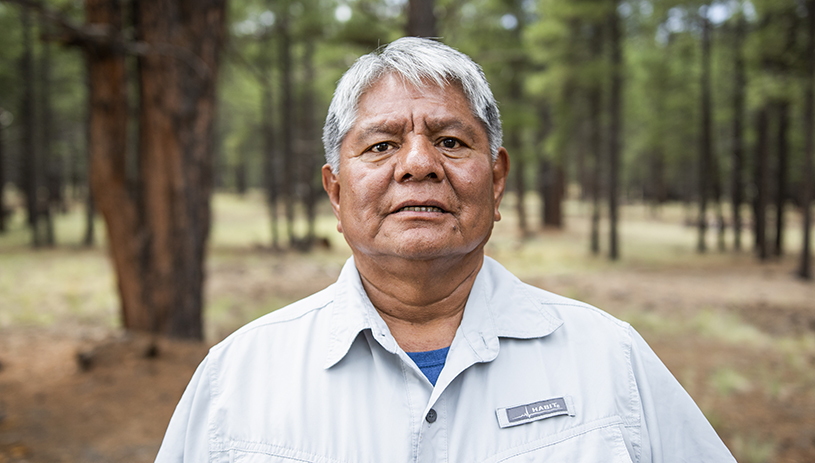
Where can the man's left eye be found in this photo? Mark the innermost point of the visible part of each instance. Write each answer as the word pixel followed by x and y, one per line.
pixel 450 143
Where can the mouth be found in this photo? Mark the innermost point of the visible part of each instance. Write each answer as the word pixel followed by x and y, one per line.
pixel 420 209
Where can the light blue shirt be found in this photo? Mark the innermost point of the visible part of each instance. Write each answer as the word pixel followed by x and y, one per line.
pixel 530 376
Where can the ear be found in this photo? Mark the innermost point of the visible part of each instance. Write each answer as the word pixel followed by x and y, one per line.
pixel 331 185
pixel 500 171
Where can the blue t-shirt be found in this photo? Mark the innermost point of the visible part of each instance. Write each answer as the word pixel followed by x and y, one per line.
pixel 430 362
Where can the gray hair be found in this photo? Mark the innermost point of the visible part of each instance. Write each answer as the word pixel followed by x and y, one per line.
pixel 417 61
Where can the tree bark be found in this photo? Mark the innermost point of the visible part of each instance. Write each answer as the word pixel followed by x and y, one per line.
pixel 705 152
pixel 615 126
pixel 175 152
pixel 157 236
pixel 805 265
pixel 421 18
pixel 737 180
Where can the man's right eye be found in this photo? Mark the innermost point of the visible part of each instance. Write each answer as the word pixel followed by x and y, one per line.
pixel 380 147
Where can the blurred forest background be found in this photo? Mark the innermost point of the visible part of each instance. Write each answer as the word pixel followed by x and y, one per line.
pixel 661 168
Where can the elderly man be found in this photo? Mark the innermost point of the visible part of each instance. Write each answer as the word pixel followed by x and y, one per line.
pixel 425 350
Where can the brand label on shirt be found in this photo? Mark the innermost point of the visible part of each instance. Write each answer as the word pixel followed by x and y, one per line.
pixel 534 411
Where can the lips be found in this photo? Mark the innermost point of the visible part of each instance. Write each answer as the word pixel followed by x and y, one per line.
pixel 420 209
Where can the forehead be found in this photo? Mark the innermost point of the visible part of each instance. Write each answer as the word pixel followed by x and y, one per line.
pixel 392 98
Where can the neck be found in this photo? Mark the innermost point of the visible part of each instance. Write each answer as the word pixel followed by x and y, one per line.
pixel 422 302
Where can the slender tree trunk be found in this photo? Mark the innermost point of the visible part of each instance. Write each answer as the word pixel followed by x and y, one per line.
pixel 595 143
pixel 553 194
pixel 311 154
pixel 737 182
pixel 421 18
pixel 3 226
pixel 48 166
pixel 805 266
pixel 761 183
pixel 520 184
pixel 615 126
pixel 781 176
pixel 271 183
pixel 89 239
pixel 29 158
pixel 705 151
pixel 288 156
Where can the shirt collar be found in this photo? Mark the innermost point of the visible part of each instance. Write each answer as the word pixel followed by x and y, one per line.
pixel 499 305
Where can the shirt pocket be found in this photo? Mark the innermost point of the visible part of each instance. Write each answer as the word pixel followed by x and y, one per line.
pixel 599 441
pixel 255 452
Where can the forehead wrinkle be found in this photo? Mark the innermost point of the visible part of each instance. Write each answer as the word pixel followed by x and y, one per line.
pixel 436 125
pixel 384 127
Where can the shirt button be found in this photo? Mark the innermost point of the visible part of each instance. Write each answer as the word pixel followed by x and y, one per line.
pixel 431 416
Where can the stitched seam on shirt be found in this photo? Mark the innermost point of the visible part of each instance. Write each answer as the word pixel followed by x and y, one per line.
pixel 530 446
pixel 212 426
pixel 249 328
pixel 634 421
pixel 414 438
pixel 274 450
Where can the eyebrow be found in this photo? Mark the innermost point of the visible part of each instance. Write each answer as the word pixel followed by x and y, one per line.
pixel 434 126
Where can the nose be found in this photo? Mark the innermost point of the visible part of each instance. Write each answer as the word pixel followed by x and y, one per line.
pixel 419 161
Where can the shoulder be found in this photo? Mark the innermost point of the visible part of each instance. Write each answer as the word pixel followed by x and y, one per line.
pixel 283 327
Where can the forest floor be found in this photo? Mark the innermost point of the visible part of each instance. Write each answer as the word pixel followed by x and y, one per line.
pixel 738 334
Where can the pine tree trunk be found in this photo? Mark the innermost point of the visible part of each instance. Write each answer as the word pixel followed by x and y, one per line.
pixel 157 237
pixel 805 266
pixel 271 184
pixel 737 181
pixel 760 175
pixel 781 176
pixel 311 154
pixel 29 158
pixel 3 226
pixel 47 165
pixel 615 126
pixel 177 115
pixel 705 152
pixel 288 157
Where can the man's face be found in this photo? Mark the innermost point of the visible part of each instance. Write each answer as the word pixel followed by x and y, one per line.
pixel 416 179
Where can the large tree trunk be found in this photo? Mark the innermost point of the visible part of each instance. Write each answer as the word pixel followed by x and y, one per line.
pixel 805 267
pixel 737 181
pixel 615 125
pixel 107 146
pixel 421 18
pixel 177 117
pixel 706 148
pixel 271 167
pixel 158 237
